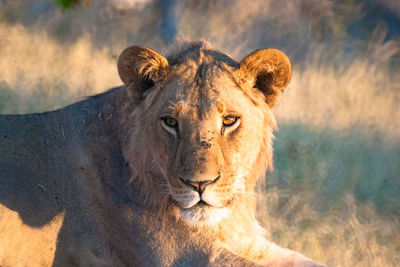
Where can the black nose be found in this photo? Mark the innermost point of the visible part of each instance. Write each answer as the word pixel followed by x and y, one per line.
pixel 199 186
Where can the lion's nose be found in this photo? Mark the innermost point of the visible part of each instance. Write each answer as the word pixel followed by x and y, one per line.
pixel 199 186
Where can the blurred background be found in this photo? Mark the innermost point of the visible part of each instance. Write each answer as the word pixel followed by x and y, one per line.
pixel 335 192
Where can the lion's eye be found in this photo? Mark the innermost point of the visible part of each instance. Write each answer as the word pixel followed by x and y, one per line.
pixel 170 124
pixel 229 121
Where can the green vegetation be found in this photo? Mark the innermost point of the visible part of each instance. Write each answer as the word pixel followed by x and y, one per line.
pixel 65 4
pixel 68 4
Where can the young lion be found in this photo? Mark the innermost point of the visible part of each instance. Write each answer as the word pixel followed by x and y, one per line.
pixel 158 172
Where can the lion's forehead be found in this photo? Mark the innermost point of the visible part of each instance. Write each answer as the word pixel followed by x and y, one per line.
pixel 209 74
pixel 200 97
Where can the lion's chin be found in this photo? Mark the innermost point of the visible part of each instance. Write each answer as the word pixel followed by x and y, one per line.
pixel 203 214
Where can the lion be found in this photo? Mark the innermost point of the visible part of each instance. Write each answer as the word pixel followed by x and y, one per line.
pixel 158 172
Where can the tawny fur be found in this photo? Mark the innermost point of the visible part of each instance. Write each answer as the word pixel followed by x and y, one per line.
pixel 101 182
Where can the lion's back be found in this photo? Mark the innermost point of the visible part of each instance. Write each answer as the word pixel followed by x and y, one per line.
pixel 25 141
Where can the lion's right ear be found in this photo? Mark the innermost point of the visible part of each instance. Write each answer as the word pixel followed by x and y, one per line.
pixel 139 68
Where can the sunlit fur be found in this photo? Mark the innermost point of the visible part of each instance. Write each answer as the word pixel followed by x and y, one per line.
pixel 198 79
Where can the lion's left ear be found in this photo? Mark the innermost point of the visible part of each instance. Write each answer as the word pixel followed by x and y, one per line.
pixel 139 68
pixel 268 70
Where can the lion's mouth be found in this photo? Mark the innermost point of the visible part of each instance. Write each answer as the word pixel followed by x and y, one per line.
pixel 194 201
pixel 201 204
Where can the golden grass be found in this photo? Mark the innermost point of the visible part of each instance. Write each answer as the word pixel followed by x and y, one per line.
pixel 345 234
pixel 359 93
pixel 44 74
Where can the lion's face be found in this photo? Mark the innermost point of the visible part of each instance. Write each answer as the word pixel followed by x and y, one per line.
pixel 208 136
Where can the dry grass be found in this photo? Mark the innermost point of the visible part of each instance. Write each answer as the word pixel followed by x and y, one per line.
pixel 335 191
pixel 39 74
pixel 361 93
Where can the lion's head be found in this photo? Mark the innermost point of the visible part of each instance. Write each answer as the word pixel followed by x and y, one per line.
pixel 200 131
